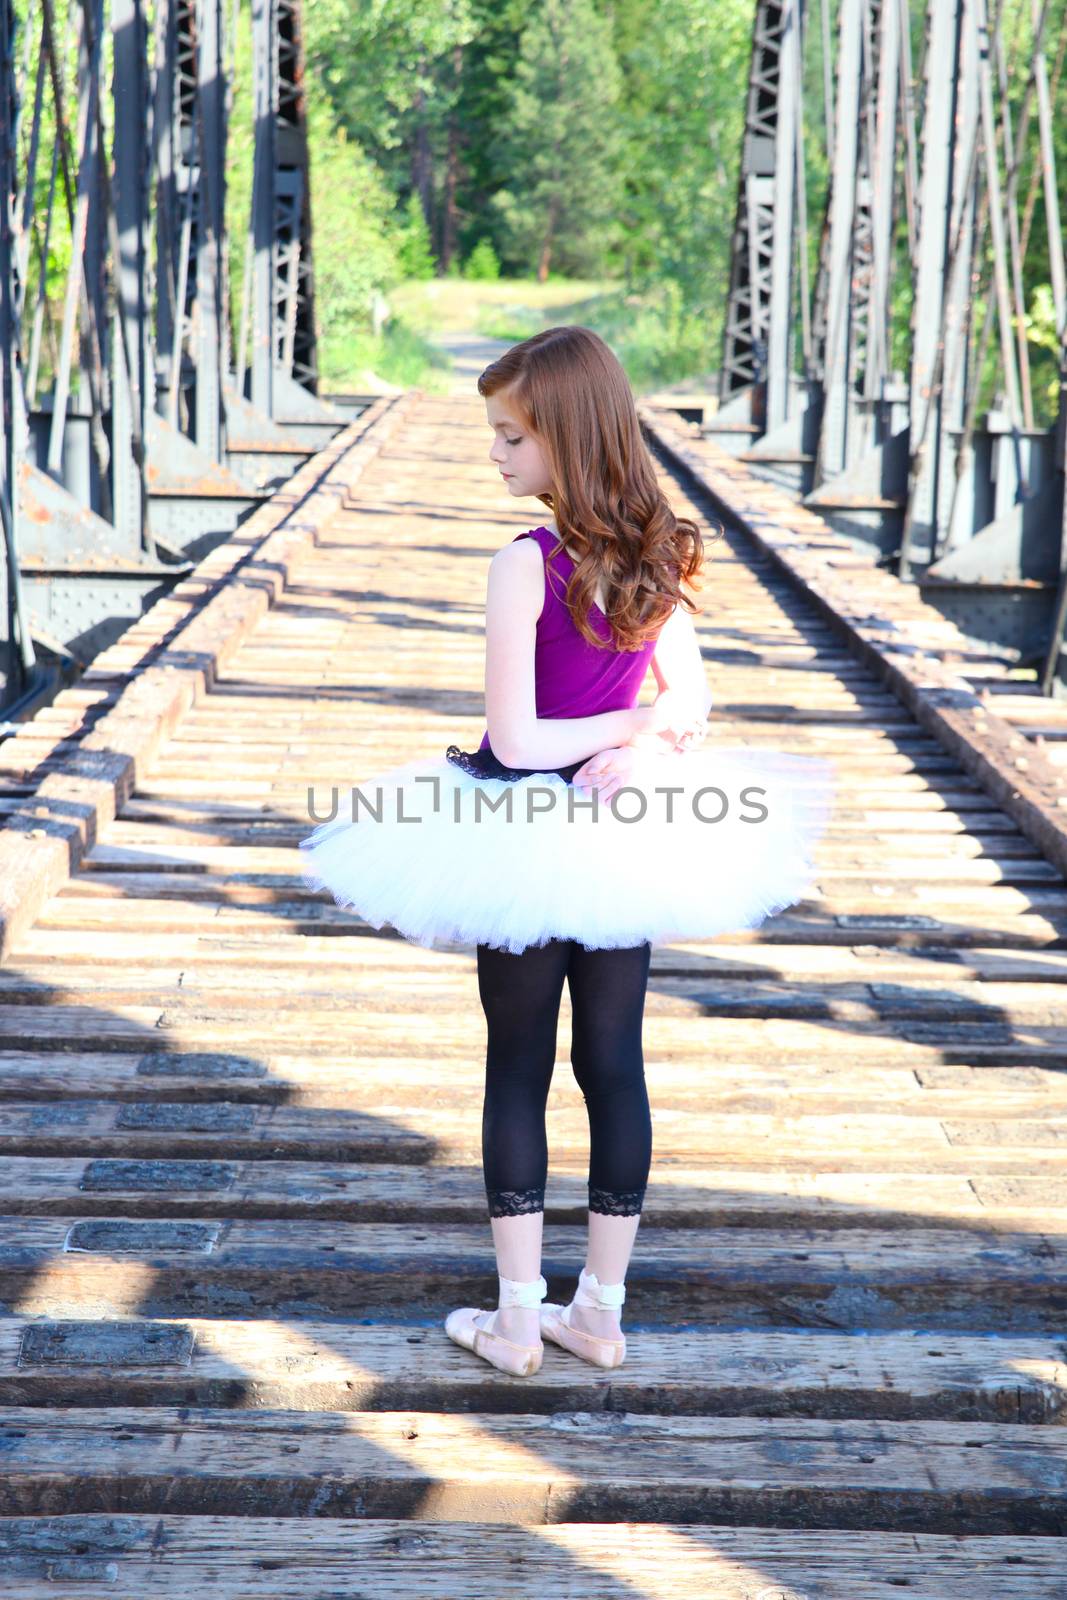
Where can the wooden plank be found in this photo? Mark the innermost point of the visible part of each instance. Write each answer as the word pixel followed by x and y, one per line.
pixel 187 985
pixel 274 1558
pixel 131 901
pixel 961 1278
pixel 827 1086
pixel 908 853
pixel 323 1366
pixel 678 1196
pixel 922 825
pixel 299 723
pixel 893 795
pixel 950 901
pixel 262 849
pixel 200 1029
pixel 142 1131
pixel 934 1476
pixel 859 730
pixel 60 947
pixel 962 872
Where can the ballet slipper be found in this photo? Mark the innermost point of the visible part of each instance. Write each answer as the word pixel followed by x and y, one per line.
pixel 591 1347
pixel 521 1360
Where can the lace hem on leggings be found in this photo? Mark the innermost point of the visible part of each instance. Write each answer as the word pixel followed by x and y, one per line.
pixel 616 1202
pixel 515 1202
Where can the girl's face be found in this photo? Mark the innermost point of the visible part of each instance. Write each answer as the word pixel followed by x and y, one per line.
pixel 515 450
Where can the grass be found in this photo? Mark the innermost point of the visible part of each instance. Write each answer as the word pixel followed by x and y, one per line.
pixel 659 344
pixel 398 357
pixel 518 305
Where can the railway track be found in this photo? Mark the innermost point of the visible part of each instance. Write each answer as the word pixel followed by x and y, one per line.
pixel 240 1180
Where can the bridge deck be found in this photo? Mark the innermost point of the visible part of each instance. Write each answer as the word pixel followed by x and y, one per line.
pixel 240 1179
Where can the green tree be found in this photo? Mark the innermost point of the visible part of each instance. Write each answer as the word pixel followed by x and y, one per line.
pixel 559 150
pixel 392 70
pixel 414 254
pixel 482 263
pixel 482 106
pixel 686 69
pixel 352 210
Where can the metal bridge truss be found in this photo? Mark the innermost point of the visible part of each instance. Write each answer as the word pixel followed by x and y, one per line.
pixel 136 432
pixel 934 176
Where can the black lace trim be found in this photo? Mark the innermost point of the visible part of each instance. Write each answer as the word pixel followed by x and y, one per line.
pixel 616 1202
pixel 515 1202
pixel 484 764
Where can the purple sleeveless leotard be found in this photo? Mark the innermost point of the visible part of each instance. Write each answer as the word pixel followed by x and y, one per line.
pixel 572 678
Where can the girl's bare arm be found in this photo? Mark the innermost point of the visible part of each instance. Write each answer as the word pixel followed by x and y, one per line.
pixel 677 665
pixel 677 662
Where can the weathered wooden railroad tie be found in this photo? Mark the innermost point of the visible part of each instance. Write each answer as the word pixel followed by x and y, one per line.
pixel 240 1173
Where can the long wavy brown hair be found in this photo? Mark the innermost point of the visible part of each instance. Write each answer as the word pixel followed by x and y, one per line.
pixel 572 394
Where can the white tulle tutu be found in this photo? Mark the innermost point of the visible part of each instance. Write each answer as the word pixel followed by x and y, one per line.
pixel 445 857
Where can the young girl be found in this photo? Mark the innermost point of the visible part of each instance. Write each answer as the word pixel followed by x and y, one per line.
pixel 534 848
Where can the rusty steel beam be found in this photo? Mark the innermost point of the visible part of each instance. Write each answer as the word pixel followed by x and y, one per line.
pixel 896 434
pixel 127 363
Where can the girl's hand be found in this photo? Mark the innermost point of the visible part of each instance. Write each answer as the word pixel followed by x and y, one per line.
pixel 608 770
pixel 673 719
pixel 693 735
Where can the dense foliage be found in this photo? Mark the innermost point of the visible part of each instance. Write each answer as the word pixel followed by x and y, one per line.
pixel 588 143
pixel 593 139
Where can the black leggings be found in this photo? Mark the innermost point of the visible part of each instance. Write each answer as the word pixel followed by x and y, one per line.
pixel 520 996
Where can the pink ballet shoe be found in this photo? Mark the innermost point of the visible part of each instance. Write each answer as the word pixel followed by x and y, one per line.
pixel 521 1360
pixel 556 1325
